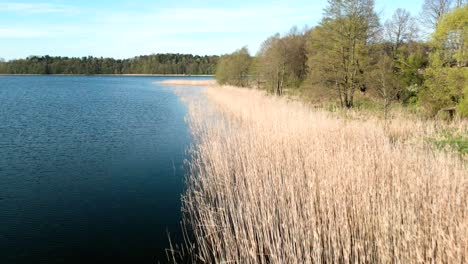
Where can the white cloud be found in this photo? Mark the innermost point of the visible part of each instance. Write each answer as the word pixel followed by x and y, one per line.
pixel 32 8
pixel 212 30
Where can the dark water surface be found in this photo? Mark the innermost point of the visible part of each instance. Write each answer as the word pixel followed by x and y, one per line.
pixel 90 169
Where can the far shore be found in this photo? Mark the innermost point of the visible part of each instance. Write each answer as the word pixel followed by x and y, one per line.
pixel 143 75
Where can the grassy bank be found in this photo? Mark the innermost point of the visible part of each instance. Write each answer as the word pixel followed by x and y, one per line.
pixel 272 181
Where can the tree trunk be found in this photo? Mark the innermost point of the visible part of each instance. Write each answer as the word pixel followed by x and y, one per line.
pixel 338 87
pixel 278 83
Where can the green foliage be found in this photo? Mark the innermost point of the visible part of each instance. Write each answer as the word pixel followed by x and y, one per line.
pixel 349 57
pixel 152 64
pixel 457 142
pixel 447 74
pixel 410 61
pixel 368 104
pixel 339 47
pixel 451 38
pixel 463 105
pixel 386 82
pixel 233 69
pixel 443 86
pixel 281 62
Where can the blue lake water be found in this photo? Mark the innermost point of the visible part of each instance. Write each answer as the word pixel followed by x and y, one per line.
pixel 91 169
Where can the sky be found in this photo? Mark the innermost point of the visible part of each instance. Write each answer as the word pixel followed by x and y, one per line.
pixel 128 28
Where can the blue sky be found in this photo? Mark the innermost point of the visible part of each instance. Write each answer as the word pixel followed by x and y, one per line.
pixel 127 28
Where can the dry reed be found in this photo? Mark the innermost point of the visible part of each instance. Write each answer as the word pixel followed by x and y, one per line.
pixel 272 181
pixel 187 82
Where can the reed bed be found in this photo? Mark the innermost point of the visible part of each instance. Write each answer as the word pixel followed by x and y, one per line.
pixel 272 181
pixel 189 82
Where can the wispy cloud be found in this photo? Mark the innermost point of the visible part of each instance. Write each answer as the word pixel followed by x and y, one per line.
pixel 123 33
pixel 36 8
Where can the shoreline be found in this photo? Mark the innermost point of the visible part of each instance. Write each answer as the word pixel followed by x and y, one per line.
pixel 308 169
pixel 132 75
pixel 187 82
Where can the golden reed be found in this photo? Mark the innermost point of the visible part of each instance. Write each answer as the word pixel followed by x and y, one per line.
pixel 272 181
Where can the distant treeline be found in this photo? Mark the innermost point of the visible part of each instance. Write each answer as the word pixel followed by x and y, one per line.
pixel 151 64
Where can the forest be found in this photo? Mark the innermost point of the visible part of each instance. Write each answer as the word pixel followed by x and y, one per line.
pixel 185 64
pixel 353 59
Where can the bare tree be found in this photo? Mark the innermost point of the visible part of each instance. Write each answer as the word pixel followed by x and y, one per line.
pixel 386 82
pixel 460 3
pixel 400 28
pixel 433 10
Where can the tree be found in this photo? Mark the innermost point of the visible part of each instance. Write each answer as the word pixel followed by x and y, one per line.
pixel 296 61
pixel 411 61
pixel 433 10
pixel 400 33
pixel 233 69
pixel 460 3
pixel 385 81
pixel 447 74
pixel 152 64
pixel 339 46
pixel 281 61
pixel 400 28
pixel 3 67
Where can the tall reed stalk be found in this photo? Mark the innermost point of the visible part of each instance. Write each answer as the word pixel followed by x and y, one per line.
pixel 272 181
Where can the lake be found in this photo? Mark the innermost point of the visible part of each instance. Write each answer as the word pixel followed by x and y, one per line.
pixel 91 169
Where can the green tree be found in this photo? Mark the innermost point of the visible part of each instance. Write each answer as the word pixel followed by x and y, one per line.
pixel 152 64
pixel 385 80
pixel 400 33
pixel 281 61
pixel 233 69
pixel 447 74
pixel 411 61
pixel 3 66
pixel 339 47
